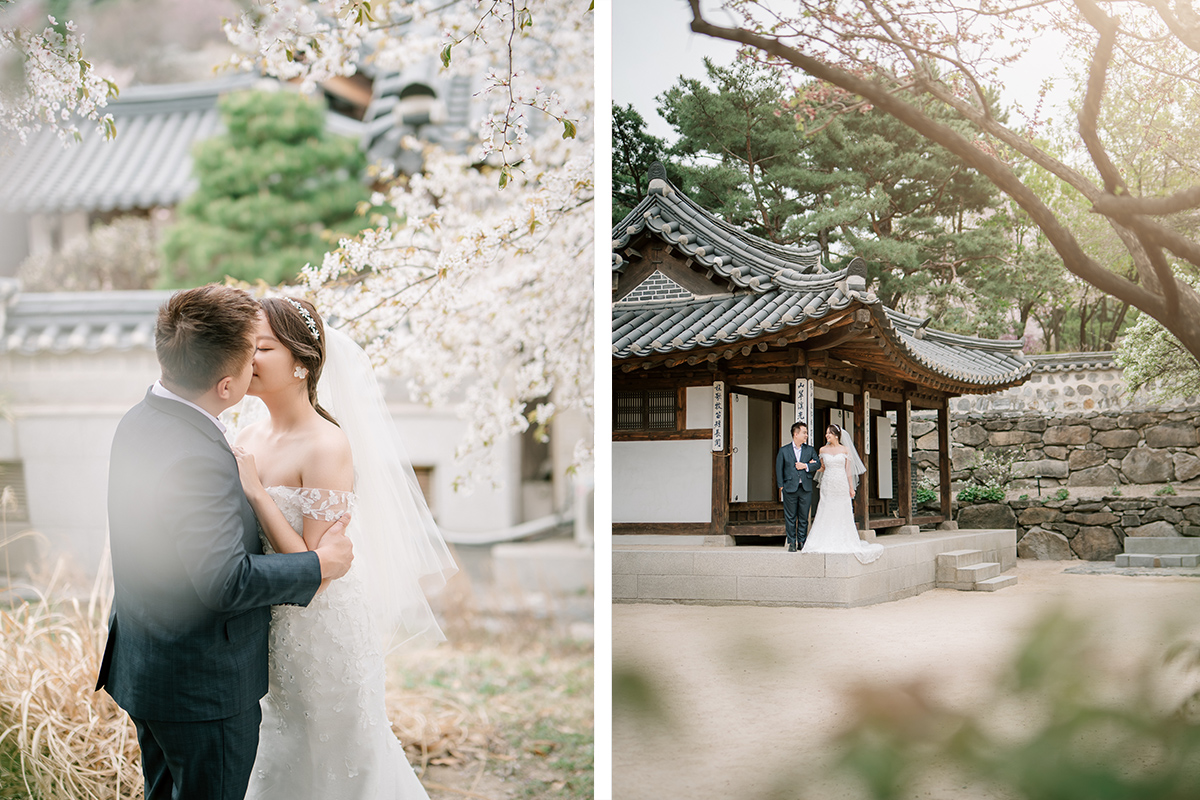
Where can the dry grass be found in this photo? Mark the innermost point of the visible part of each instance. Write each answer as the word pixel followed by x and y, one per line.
pixel 506 699
pixel 60 740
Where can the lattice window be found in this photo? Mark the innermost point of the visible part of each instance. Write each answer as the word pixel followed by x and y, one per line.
pixel 14 503
pixel 644 410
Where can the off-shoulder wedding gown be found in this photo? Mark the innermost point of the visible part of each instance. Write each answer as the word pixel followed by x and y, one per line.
pixel 833 528
pixel 325 732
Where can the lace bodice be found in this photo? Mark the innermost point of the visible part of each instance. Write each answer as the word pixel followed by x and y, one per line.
pixel 297 502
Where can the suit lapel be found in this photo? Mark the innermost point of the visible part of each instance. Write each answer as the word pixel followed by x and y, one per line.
pixel 187 414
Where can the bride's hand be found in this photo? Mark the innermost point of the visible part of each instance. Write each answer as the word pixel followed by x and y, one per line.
pixel 248 472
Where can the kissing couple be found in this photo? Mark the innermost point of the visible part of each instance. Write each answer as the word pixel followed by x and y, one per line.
pixel 248 634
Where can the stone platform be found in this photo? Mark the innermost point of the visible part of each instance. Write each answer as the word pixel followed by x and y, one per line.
pixel 693 573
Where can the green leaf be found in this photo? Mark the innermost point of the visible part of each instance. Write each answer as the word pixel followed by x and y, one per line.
pixel 569 129
pixel 446 55
pixel 504 176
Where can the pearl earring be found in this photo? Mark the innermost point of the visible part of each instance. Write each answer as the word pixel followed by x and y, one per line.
pixel 300 372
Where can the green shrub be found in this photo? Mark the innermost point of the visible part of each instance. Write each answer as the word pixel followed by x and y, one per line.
pixel 981 494
pixel 1062 494
pixel 926 491
pixel 1168 489
pixel 276 191
pixel 990 474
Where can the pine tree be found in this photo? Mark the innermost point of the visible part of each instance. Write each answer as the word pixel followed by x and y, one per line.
pixel 276 192
pixel 634 150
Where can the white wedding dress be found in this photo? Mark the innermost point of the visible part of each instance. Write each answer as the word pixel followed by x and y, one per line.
pixel 833 529
pixel 325 732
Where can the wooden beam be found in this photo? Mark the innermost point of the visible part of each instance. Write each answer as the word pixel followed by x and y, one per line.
pixel 660 528
pixel 847 329
pixel 774 397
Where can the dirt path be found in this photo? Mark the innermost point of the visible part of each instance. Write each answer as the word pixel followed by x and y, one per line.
pixel 754 693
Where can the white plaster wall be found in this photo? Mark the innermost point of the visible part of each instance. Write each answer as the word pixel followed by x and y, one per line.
pixel 431 438
pixel 65 410
pixel 699 407
pixel 662 481
pixel 65 455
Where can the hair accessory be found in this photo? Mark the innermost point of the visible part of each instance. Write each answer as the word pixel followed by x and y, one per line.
pixel 300 372
pixel 308 320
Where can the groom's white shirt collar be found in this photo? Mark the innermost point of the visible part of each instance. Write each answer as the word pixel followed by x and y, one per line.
pixel 162 391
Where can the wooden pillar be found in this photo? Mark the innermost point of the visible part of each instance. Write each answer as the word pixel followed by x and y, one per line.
pixel 943 428
pixel 904 463
pixel 720 472
pixel 720 493
pixel 860 426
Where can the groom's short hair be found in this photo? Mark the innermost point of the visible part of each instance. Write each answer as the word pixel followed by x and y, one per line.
pixel 798 425
pixel 205 334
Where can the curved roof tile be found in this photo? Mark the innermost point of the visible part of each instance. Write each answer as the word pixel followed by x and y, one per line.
pixel 778 288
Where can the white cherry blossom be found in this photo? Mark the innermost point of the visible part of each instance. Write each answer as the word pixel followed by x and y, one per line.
pixel 477 282
pixel 58 87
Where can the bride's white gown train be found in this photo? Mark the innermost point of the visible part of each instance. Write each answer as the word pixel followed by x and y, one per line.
pixel 325 732
pixel 833 529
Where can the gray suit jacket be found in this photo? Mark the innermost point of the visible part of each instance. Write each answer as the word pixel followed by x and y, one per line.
pixel 187 638
pixel 787 476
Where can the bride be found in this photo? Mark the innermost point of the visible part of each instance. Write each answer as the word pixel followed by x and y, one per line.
pixel 833 529
pixel 324 729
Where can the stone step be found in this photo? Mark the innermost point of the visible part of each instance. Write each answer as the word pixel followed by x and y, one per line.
pixel 998 582
pixel 977 572
pixel 950 562
pixel 968 579
pixel 1162 544
pixel 1158 560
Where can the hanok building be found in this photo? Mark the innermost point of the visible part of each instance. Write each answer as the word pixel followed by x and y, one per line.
pixel 721 340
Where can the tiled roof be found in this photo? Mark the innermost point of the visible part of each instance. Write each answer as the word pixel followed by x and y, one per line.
pixel 87 322
pixel 1072 362
pixel 970 359
pixel 778 290
pixel 148 164
pixel 744 259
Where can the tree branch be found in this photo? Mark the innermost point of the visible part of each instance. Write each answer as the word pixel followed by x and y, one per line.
pixel 999 173
pixel 1089 115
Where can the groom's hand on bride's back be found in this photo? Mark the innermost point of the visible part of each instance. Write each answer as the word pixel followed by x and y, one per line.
pixel 335 550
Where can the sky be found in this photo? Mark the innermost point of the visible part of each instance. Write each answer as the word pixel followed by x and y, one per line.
pixel 653 45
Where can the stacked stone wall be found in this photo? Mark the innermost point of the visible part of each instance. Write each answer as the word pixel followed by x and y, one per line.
pixel 1106 449
pixel 1075 432
pixel 1088 528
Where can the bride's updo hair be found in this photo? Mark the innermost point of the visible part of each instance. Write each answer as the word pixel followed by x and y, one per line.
pixel 303 334
pixel 835 430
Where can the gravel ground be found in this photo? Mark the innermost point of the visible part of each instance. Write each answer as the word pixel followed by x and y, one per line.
pixel 749 695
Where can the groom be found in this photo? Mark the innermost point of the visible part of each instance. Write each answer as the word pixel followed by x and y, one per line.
pixel 187 642
pixel 795 465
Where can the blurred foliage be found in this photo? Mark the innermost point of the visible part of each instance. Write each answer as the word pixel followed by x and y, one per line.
pixel 120 256
pixel 276 192
pixel 1079 740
